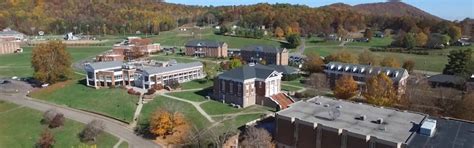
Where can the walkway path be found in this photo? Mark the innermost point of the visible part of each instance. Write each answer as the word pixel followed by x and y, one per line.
pixel 301 89
pixel 195 104
pixel 113 127
pixel 118 143
pixel 137 112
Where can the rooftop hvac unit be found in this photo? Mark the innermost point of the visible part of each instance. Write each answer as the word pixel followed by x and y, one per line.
pixel 428 127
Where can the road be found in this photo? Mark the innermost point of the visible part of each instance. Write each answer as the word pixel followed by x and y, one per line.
pixel 113 127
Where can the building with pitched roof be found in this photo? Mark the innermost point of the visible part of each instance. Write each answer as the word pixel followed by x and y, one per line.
pixel 206 48
pixel 8 34
pixel 361 73
pixel 249 85
pixel 269 54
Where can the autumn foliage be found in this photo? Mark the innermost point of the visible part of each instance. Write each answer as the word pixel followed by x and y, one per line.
pixel 314 63
pixel 46 139
pixel 380 91
pixel 390 62
pixel 164 123
pixel 346 87
pixel 51 62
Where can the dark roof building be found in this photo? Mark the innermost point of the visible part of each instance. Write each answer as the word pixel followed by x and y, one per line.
pixel 206 48
pixel 269 54
pixel 249 72
pixel 284 69
pixel 443 80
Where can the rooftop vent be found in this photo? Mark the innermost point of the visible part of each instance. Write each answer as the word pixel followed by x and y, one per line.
pixel 326 105
pixel 339 106
pixel 251 64
pixel 428 127
pixel 379 121
pixel 361 117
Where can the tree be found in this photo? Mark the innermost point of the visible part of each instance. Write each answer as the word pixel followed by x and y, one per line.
pixel 409 65
pixel 46 139
pixel 346 87
pixel 57 121
pixel 314 63
pixel 454 32
pixel 318 81
pixel 279 33
pixel 48 116
pixel 256 137
pixel 91 131
pixel 409 41
pixel 389 61
pixel 235 63
pixel 435 40
pixel 51 62
pixel 342 56
pixel 368 33
pixel 210 70
pixel 164 123
pixel 380 91
pixel 421 39
pixel 466 107
pixel 458 63
pixel 367 58
pixel 294 40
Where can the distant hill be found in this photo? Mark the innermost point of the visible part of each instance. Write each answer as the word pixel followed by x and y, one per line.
pixel 393 9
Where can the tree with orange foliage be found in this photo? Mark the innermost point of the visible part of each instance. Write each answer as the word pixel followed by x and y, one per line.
pixel 390 62
pixel 343 56
pixel 164 123
pixel 380 91
pixel 346 87
pixel 313 64
pixel 279 33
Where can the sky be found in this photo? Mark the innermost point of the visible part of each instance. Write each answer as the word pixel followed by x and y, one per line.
pixel 447 9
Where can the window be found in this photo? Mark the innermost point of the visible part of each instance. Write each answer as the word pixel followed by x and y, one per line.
pixel 231 87
pixel 222 85
pixel 90 75
pixel 146 79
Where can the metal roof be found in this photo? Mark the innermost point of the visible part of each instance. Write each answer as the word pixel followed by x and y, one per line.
pixel 395 74
pixel 263 48
pixel 284 69
pixel 442 78
pixel 179 66
pixel 248 72
pixel 105 65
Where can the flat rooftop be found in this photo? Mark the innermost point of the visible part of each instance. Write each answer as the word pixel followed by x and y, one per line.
pixel 397 126
pixel 450 133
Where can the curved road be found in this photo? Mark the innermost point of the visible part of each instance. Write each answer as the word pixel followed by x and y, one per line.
pixel 113 127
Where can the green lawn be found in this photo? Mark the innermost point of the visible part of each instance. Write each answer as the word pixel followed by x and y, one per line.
pixel 179 60
pixel 423 62
pixel 289 88
pixel 22 127
pixel 20 64
pixel 112 102
pixel 188 110
pixel 375 42
pixel 179 38
pixel 202 83
pixel 317 41
pixel 296 82
pixel 216 108
pixel 4 106
pixel 196 96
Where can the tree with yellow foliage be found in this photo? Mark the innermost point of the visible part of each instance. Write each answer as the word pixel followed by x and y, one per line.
pixel 346 87
pixel 389 61
pixel 380 90
pixel 314 63
pixel 279 33
pixel 343 56
pixel 51 62
pixel 164 123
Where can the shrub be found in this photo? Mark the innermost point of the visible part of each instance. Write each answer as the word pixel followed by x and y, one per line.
pixel 57 121
pixel 291 77
pixel 150 91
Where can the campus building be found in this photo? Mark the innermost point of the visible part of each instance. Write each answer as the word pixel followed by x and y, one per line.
pixel 127 50
pixel 324 122
pixel 8 34
pixel 117 73
pixel 109 74
pixel 268 54
pixel 249 85
pixel 360 73
pixel 206 48
pixel 181 72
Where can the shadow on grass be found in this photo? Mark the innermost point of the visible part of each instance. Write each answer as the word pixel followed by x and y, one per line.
pixel 143 130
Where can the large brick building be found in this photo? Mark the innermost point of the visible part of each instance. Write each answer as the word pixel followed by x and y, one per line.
pixel 323 122
pixel 270 54
pixel 249 85
pixel 206 48
pixel 360 73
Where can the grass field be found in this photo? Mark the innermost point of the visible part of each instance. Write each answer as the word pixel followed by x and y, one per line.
pixel 296 82
pixel 188 110
pixel 112 102
pixel 4 106
pixel 289 88
pixel 20 64
pixel 202 83
pixel 21 128
pixel 196 96
pixel 374 42
pixel 179 38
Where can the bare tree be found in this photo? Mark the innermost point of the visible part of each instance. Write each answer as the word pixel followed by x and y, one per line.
pixel 465 109
pixel 91 131
pixel 319 81
pixel 46 139
pixel 256 137
pixel 48 116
